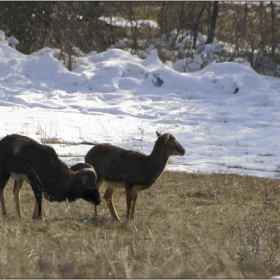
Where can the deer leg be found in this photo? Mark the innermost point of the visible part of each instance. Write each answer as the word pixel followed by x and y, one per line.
pixel 3 181
pixel 109 199
pixel 4 212
pixel 17 187
pixel 133 205
pixel 98 185
pixel 37 214
pixel 131 196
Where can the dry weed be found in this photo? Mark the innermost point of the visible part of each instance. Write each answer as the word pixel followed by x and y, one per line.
pixel 187 226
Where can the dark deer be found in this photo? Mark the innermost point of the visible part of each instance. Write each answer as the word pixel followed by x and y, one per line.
pixel 133 171
pixel 26 160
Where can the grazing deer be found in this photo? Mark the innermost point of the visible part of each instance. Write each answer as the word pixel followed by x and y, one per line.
pixel 26 160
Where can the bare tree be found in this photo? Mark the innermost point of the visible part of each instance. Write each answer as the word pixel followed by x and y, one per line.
pixel 213 21
pixel 273 28
pixel 27 21
pixel 196 24
pixel 251 28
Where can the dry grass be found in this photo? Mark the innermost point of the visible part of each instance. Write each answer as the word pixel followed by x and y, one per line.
pixel 187 226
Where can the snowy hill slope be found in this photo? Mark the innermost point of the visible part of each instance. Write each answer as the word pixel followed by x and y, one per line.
pixel 226 116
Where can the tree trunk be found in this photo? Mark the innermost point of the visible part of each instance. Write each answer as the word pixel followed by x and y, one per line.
pixel 196 25
pixel 273 37
pixel 213 21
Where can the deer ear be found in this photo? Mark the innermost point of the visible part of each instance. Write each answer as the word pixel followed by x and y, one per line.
pixel 158 134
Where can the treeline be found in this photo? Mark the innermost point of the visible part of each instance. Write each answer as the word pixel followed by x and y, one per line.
pixel 245 30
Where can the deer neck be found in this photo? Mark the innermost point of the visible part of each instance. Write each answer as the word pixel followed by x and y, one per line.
pixel 157 160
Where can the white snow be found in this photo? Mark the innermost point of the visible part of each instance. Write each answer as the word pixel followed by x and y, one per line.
pixel 226 116
pixel 121 22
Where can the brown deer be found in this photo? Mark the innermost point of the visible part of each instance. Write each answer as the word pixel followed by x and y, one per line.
pixel 133 171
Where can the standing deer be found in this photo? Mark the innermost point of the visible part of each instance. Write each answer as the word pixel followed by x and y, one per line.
pixel 133 171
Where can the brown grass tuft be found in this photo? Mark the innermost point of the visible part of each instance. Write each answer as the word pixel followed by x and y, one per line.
pixel 187 226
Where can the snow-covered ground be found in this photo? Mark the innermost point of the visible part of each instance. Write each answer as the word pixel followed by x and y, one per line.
pixel 226 116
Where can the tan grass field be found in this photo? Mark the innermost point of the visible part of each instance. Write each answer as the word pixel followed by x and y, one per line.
pixel 187 226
